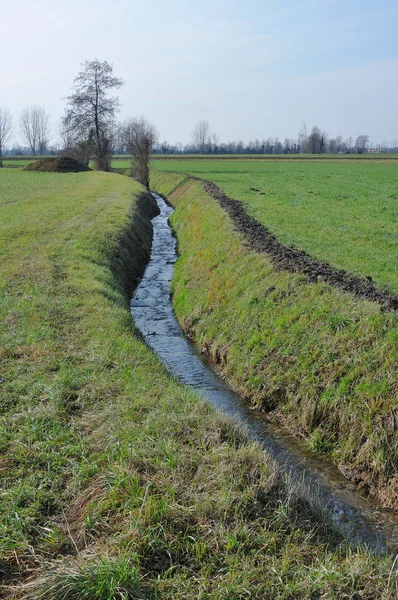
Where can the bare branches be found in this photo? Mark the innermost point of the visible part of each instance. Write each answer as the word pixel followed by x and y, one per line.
pixel 44 131
pixel 90 112
pixel 76 146
pixel 29 128
pixel 360 143
pixel 6 129
pixel 201 135
pixel 35 128
pixel 315 142
pixel 140 137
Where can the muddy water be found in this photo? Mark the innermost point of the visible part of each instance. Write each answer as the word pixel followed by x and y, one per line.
pixel 360 520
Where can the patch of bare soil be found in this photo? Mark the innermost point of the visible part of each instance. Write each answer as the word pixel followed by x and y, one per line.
pixel 294 260
pixel 57 164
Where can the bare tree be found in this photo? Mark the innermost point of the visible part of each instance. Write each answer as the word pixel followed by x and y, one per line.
pixel 140 136
pixel 90 111
pixel 35 128
pixel 316 141
pixel 76 146
pixel 339 144
pixel 214 143
pixel 348 145
pixel 29 127
pixel 303 137
pixel 66 137
pixel 201 135
pixel 5 130
pixel 118 137
pixel 323 142
pixel 44 130
pixel 360 143
pixel 332 145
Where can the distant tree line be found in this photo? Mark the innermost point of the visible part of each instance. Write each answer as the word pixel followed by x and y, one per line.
pixel 89 130
pixel 34 128
pixel 314 141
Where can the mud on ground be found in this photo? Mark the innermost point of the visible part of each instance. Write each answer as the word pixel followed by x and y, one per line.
pixel 57 164
pixel 294 260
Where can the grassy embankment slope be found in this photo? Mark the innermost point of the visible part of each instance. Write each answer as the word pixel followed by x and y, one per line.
pixel 115 481
pixel 322 360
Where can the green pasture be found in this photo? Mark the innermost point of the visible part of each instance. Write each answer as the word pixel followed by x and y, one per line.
pixel 275 157
pixel 344 213
pixel 174 161
pixel 16 162
pixel 122 161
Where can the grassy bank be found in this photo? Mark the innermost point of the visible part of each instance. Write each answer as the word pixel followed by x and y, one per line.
pixel 324 362
pixel 116 482
pixel 342 213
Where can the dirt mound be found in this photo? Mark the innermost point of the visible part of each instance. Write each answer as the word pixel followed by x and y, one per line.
pixel 57 164
pixel 295 260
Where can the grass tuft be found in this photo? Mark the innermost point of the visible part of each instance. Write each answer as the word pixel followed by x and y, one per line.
pixel 102 579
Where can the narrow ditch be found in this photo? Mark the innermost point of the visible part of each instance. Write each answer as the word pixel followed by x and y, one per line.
pixel 362 521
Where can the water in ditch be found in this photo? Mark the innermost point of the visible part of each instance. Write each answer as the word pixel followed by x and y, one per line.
pixel 360 519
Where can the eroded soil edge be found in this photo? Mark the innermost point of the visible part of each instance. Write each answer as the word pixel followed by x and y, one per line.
pixel 294 260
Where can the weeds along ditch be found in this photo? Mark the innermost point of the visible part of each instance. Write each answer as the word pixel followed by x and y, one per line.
pixel 314 481
pixel 116 482
pixel 320 361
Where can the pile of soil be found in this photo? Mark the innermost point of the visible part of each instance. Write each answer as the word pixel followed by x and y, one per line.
pixel 57 164
pixel 294 260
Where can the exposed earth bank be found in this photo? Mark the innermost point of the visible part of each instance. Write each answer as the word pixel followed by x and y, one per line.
pixel 296 260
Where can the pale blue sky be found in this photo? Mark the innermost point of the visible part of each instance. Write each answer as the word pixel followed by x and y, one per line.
pixel 253 68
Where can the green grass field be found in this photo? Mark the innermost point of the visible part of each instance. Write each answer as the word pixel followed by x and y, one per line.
pixel 185 162
pixel 344 213
pixel 17 163
pixel 116 482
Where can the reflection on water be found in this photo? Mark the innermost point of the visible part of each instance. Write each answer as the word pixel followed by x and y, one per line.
pixel 151 307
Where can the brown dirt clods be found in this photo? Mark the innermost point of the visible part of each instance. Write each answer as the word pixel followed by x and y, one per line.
pixel 57 164
pixel 295 260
